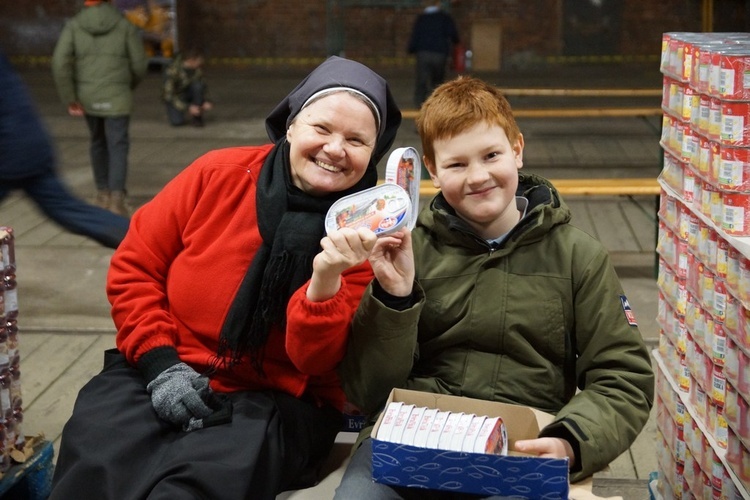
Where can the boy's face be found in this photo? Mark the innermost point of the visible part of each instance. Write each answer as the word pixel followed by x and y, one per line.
pixel 477 171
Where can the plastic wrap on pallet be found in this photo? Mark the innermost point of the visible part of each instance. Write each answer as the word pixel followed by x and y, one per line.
pixel 12 438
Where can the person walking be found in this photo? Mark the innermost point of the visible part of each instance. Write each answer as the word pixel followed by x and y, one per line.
pixel 97 62
pixel 28 164
pixel 432 38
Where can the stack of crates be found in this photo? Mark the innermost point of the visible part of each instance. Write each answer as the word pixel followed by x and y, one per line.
pixel 703 376
pixel 25 466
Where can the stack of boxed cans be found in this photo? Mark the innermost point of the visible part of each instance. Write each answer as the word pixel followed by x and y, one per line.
pixel 703 382
pixel 12 439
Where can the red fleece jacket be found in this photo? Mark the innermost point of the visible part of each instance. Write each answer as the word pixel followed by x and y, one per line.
pixel 173 279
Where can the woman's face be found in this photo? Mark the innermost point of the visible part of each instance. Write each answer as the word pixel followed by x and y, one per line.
pixel 331 142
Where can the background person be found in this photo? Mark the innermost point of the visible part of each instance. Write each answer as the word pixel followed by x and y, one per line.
pixel 432 37
pixel 185 92
pixel 28 163
pixel 495 296
pixel 97 62
pixel 233 309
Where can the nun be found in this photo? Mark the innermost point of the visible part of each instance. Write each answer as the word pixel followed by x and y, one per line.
pixel 233 309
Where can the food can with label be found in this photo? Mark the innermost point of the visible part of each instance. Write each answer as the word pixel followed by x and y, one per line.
pixel 734 169
pixel 734 66
pixel 734 129
pixel 383 209
pixel 735 219
pixel 714 119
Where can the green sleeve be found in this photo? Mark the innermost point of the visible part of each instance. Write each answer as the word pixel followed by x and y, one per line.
pixel 63 66
pixel 381 351
pixel 137 55
pixel 613 373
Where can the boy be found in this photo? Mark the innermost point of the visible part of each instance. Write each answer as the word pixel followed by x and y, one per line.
pixel 185 90
pixel 500 299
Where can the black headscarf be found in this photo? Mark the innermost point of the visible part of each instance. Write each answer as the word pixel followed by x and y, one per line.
pixel 290 221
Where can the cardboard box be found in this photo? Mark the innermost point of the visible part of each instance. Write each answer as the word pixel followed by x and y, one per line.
pixel 516 475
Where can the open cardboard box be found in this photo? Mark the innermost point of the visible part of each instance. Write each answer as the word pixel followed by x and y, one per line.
pixel 516 475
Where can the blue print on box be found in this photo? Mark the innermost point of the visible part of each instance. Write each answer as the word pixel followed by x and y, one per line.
pixel 519 477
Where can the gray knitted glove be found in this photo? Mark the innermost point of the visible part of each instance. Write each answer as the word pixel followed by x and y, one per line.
pixel 179 396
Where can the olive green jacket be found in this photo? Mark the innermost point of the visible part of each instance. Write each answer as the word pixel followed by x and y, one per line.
pixel 540 321
pixel 98 60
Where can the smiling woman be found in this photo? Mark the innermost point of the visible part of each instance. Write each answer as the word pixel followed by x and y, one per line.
pixel 331 142
pixel 236 384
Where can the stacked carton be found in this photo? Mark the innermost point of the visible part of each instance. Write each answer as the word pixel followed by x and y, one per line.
pixel 442 429
pixel 703 378
pixel 12 439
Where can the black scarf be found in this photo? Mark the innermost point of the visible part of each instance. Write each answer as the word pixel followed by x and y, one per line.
pixel 291 224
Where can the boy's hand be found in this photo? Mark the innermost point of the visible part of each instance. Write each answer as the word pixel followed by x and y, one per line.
pixel 75 109
pixel 547 447
pixel 392 261
pixel 342 249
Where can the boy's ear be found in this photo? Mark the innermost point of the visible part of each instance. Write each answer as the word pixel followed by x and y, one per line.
pixel 518 151
pixel 431 170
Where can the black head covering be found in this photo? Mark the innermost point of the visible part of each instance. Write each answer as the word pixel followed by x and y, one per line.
pixel 339 72
pixel 290 221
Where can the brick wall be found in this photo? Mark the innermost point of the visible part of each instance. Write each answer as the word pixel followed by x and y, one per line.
pixel 291 30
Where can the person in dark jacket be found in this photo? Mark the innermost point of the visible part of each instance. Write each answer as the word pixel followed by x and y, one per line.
pixel 496 296
pixel 432 37
pixel 185 92
pixel 28 163
pixel 98 61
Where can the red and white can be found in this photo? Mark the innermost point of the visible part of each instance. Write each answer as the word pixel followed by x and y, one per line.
pixel 735 218
pixel 704 156
pixel 714 119
pixel 733 269
pixel 734 123
pixel 734 169
pixel 704 109
pixel 722 258
pixel 734 65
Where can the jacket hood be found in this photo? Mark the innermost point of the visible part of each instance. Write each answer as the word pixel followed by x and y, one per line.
pixel 98 19
pixel 546 209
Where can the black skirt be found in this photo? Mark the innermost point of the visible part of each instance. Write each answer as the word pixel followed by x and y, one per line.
pixel 115 446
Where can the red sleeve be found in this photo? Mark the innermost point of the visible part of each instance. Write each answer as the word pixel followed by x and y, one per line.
pixel 317 332
pixel 137 278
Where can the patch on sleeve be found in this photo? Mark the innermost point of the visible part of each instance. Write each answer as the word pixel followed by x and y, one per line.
pixel 629 315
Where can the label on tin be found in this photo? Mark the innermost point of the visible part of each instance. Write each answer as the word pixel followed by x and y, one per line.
pixel 383 209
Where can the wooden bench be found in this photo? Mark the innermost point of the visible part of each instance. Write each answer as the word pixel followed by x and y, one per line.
pixel 645 186
pixel 589 112
pixel 411 114
pixel 527 92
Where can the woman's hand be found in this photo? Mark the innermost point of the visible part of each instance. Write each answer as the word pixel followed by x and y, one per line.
pixel 342 249
pixel 547 447
pixel 392 261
